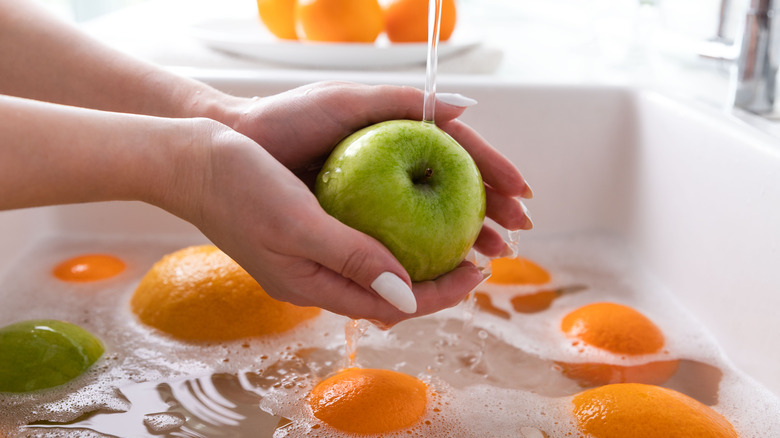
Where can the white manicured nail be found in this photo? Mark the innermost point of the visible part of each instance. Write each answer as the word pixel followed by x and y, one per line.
pixel 390 287
pixel 456 99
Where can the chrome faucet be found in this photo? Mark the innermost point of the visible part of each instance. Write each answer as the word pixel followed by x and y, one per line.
pixel 754 72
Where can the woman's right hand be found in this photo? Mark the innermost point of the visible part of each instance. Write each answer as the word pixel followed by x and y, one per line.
pixel 269 221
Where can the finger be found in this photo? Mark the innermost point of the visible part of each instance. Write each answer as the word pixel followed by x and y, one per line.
pixel 379 103
pixel 331 291
pixel 447 290
pixel 491 243
pixel 410 100
pixel 508 212
pixel 361 259
pixel 335 293
pixel 432 296
pixel 497 171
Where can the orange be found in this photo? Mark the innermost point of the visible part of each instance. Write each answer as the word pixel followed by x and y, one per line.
pixel 406 21
pixel 352 21
pixel 89 267
pixel 199 293
pixel 631 410
pixel 517 270
pixel 358 400
pixel 614 327
pixel 279 17
pixel 618 329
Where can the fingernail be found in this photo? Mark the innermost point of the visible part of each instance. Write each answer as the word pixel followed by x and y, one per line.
pixel 528 193
pixel 456 99
pixel 507 252
pixel 390 287
pixel 528 222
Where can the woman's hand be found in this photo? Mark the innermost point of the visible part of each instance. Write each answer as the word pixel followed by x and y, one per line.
pixel 300 128
pixel 265 218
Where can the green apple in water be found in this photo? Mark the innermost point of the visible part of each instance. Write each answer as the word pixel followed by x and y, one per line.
pixel 411 186
pixel 38 354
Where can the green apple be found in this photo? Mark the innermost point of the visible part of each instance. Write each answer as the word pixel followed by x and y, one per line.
pixel 412 187
pixel 38 354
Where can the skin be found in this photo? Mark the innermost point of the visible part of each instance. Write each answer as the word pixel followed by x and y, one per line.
pixel 81 122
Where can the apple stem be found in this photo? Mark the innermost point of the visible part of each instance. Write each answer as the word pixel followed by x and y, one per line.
pixel 424 178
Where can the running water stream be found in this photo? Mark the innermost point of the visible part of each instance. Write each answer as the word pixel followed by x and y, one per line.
pixel 434 20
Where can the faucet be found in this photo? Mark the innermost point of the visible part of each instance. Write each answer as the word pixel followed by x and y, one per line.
pixel 754 72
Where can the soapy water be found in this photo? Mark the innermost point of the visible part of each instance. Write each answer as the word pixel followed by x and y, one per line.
pixel 489 375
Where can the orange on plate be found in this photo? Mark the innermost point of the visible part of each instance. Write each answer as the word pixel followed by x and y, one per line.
pixel 406 21
pixel 279 17
pixel 346 21
pixel 632 410
pixel 201 294
pixel 359 400
pixel 89 267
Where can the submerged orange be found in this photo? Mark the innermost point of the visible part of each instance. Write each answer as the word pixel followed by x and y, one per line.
pixel 89 267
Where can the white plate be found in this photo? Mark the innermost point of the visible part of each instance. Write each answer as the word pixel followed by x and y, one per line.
pixel 249 38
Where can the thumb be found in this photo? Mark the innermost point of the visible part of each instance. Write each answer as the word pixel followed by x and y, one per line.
pixel 364 260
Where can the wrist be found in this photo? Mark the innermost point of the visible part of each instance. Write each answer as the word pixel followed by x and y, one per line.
pixel 177 166
pixel 210 103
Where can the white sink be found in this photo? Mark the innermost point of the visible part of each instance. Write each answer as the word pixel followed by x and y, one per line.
pixel 695 193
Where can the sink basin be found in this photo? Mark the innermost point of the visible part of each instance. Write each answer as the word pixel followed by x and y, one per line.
pixel 692 191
